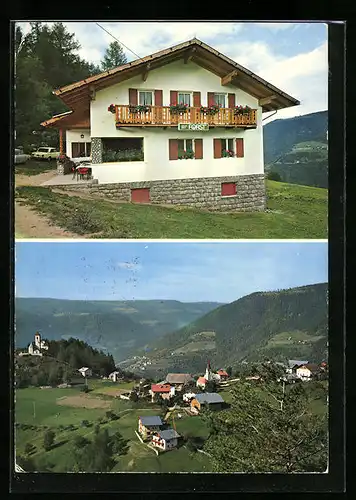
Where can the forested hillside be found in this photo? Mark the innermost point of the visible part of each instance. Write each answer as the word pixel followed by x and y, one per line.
pixel 280 136
pixel 278 325
pixel 117 326
pixel 60 364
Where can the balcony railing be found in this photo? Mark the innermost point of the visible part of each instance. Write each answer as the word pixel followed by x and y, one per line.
pixel 161 116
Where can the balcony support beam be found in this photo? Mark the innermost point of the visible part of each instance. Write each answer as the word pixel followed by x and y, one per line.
pixel 267 100
pixel 189 54
pixel 92 93
pixel 145 73
pixel 225 80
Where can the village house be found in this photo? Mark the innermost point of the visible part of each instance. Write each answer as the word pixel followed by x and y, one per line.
pixel 165 391
pixel 178 380
pixel 115 376
pixel 202 382
pixel 223 375
pixel 212 400
pixel 307 371
pixel 149 425
pixel 85 371
pixel 180 126
pixel 188 396
pixel 293 364
pixel 165 440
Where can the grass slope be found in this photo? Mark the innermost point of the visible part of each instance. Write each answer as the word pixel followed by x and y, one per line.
pixel 35 167
pixel 40 408
pixel 293 212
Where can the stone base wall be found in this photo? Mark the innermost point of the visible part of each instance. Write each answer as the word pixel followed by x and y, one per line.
pixel 200 193
pixel 60 168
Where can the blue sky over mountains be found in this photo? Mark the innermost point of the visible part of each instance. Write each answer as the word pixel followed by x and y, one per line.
pixel 292 56
pixel 185 271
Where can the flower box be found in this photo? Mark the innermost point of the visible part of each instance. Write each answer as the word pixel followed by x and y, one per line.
pixel 210 110
pixel 186 155
pixel 177 109
pixel 242 110
pixel 139 109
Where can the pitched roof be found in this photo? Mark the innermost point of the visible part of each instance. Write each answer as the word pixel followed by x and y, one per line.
pixel 151 420
pixel 223 373
pixel 202 380
pixel 160 388
pixel 296 362
pixel 83 369
pixel 168 434
pixel 178 378
pixel 209 397
pixel 310 366
pixel 202 54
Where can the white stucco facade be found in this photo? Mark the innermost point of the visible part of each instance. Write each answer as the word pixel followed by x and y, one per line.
pixel 156 164
pixel 74 135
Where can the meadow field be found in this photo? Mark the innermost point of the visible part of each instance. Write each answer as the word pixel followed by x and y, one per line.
pixel 64 410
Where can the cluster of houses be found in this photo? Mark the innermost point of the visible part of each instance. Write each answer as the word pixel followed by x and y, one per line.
pixel 303 370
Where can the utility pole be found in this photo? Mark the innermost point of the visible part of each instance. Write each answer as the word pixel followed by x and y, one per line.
pixel 283 385
pixel 34 409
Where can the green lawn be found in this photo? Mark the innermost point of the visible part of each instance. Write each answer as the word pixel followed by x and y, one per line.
pixel 293 212
pixel 35 167
pixel 38 407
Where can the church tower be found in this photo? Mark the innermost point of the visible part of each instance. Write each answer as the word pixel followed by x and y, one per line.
pixel 208 374
pixel 38 340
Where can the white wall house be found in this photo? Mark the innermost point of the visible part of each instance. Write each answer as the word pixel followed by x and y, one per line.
pixel 216 162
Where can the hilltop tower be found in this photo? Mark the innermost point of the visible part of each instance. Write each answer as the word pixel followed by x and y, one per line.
pixel 208 373
pixel 38 340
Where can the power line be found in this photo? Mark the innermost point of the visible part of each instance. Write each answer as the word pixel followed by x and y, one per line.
pixel 118 40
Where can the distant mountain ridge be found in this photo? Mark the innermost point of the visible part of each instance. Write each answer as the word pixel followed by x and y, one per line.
pixel 279 325
pixel 116 326
pixel 297 149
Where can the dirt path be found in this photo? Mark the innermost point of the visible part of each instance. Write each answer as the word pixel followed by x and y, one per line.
pixel 28 223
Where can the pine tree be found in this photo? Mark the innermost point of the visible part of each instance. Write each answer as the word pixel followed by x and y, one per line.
pixel 114 56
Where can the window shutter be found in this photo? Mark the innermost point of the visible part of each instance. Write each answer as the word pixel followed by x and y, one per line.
pixel 217 148
pixel 196 99
pixel 173 149
pixel 211 100
pixel 231 99
pixel 174 98
pixel 239 148
pixel 228 189
pixel 158 98
pixel 133 97
pixel 198 149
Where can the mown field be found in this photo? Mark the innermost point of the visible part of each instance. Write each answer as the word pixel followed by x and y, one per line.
pixel 44 409
pixel 293 211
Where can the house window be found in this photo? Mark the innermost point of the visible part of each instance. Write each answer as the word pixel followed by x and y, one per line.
pixel 145 98
pixel 220 100
pixel 227 148
pixel 184 98
pixel 228 189
pixel 185 149
pixel 122 149
pixel 81 149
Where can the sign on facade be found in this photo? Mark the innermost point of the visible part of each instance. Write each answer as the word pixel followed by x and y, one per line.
pixel 193 126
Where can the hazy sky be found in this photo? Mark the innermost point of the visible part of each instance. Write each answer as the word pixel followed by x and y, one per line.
pixel 292 56
pixel 188 271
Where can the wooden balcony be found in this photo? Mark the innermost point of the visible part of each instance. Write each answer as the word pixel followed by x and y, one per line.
pixel 161 116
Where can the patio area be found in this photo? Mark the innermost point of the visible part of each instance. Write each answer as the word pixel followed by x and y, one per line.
pixel 65 180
